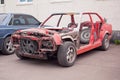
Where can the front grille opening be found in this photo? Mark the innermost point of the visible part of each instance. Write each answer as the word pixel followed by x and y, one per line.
pixel 28 46
pixel 47 44
pixel 37 35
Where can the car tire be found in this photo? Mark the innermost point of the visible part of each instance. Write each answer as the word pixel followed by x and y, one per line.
pixel 85 36
pixel 8 46
pixel 66 54
pixel 17 52
pixel 105 43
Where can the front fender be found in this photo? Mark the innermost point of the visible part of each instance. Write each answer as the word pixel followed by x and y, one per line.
pixel 57 39
pixel 69 38
pixel 5 33
pixel 1 43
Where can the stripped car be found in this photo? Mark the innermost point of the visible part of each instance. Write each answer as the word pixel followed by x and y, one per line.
pixel 60 35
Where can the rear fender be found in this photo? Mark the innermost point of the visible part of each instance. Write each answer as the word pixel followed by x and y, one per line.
pixel 105 29
pixel 102 34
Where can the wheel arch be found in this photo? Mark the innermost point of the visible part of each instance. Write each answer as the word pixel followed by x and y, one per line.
pixel 67 38
pixel 8 35
pixel 105 33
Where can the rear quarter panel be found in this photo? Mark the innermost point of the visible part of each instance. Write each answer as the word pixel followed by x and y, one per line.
pixel 105 29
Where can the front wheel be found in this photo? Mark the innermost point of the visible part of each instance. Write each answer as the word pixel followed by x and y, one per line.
pixel 66 54
pixel 8 46
pixel 17 52
pixel 105 43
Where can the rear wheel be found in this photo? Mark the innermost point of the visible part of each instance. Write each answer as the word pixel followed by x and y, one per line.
pixel 105 43
pixel 8 46
pixel 66 54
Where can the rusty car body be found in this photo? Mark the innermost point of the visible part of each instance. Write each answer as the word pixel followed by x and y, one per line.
pixel 60 35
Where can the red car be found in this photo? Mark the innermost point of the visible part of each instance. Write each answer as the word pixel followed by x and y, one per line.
pixel 64 35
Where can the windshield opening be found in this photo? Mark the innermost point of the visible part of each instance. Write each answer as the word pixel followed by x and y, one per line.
pixel 61 21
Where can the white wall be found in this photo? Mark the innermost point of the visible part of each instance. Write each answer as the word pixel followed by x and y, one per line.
pixel 43 8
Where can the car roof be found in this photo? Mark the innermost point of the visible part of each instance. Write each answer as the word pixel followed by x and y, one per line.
pixel 68 13
pixel 16 14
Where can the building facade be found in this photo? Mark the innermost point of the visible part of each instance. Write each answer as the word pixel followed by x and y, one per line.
pixel 43 8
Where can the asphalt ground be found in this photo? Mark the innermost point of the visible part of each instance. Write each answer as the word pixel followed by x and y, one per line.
pixel 93 65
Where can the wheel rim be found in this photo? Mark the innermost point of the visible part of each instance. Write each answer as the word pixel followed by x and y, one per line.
pixel 71 54
pixel 107 42
pixel 9 46
pixel 86 35
pixel 27 46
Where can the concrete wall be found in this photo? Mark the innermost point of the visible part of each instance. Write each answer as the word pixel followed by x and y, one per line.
pixel 43 8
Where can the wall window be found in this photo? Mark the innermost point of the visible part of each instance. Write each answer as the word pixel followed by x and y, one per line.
pixel 25 1
pixel 59 1
pixel 1 1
